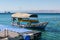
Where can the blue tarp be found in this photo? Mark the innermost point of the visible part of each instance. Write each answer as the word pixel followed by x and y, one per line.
pixel 13 28
pixel 27 37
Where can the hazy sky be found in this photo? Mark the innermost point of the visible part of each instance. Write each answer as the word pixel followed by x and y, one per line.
pixel 15 5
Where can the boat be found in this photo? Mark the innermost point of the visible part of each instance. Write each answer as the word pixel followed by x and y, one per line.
pixel 19 34
pixel 31 21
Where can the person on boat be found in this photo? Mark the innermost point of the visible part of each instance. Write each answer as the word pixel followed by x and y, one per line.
pixel 18 23
pixel 13 21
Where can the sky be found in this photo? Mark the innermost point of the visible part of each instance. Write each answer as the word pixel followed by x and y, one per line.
pixel 27 5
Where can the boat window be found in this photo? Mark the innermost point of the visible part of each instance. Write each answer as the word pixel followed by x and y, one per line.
pixel 32 18
pixel 25 19
pixel 23 23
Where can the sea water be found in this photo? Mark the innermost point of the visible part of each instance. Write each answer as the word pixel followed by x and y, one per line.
pixel 52 30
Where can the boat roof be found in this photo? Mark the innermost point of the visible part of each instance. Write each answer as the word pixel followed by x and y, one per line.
pixel 23 15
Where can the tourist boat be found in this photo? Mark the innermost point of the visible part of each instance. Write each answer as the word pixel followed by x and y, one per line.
pixel 18 33
pixel 30 20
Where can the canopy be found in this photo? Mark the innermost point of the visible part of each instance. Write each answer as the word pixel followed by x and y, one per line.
pixel 34 15
pixel 21 15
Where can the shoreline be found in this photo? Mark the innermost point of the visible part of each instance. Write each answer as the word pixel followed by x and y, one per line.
pixel 38 13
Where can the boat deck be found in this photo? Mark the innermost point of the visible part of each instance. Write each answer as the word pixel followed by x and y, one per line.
pixel 8 32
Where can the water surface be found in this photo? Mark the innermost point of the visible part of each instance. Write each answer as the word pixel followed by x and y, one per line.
pixel 52 31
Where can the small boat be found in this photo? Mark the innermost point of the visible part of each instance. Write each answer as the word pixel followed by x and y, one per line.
pixel 31 19
pixel 19 34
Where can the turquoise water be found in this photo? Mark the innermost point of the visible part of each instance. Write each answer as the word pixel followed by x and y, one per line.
pixel 52 31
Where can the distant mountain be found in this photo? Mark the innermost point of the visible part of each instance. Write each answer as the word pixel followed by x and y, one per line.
pixel 44 11
pixel 35 11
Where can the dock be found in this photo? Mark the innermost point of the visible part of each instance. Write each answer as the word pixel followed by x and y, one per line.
pixel 12 35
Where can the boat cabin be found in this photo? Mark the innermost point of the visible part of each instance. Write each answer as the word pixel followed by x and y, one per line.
pixel 24 18
pixel 28 21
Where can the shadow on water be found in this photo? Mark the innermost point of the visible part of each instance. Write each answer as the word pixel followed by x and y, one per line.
pixel 49 29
